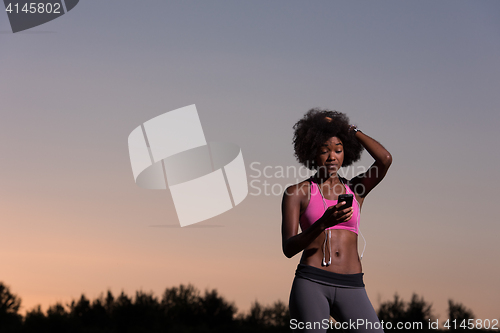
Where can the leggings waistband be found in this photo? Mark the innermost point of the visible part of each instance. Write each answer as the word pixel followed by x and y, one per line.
pixel 330 278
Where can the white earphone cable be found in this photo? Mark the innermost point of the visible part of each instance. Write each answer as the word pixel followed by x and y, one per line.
pixel 328 235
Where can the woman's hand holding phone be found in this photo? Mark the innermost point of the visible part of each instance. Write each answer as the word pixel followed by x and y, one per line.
pixel 335 215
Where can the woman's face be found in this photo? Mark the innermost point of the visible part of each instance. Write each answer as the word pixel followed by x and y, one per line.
pixel 330 156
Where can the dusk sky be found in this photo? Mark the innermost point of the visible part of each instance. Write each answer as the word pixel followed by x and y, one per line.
pixel 421 77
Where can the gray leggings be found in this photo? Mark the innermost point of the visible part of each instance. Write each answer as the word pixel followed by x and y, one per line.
pixel 311 304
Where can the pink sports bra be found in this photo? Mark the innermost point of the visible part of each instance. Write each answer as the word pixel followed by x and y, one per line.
pixel 316 208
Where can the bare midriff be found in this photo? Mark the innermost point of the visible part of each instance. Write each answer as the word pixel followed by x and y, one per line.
pixel 344 247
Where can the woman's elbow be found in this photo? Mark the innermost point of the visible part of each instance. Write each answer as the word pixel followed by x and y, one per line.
pixel 387 160
pixel 287 252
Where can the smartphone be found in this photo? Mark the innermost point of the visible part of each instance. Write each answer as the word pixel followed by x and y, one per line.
pixel 348 200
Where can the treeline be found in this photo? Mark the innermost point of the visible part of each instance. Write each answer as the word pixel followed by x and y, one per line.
pixel 184 309
pixel 180 309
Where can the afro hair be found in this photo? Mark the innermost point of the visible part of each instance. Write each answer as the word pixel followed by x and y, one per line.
pixel 315 128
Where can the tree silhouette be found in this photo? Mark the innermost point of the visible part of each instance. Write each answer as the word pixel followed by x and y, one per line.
pixel 414 312
pixel 392 311
pixel 123 312
pixel 181 305
pixel 85 314
pixel 58 320
pixel 273 318
pixel 35 321
pixel 459 313
pixel 98 315
pixel 81 311
pixel 147 311
pixel 215 310
pixel 277 315
pixel 255 316
pixel 109 302
pixel 10 319
pixel 418 310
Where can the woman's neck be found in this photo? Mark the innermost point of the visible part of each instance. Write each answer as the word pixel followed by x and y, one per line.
pixel 326 179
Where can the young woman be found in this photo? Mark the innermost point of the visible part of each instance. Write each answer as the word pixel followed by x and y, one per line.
pixel 329 279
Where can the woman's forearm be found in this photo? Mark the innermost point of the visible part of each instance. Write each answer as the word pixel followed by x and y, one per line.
pixel 299 242
pixel 374 148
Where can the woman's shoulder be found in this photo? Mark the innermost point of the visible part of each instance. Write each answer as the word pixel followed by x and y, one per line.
pixel 300 189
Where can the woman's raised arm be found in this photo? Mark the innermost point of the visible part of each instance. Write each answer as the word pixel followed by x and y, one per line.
pixel 363 183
